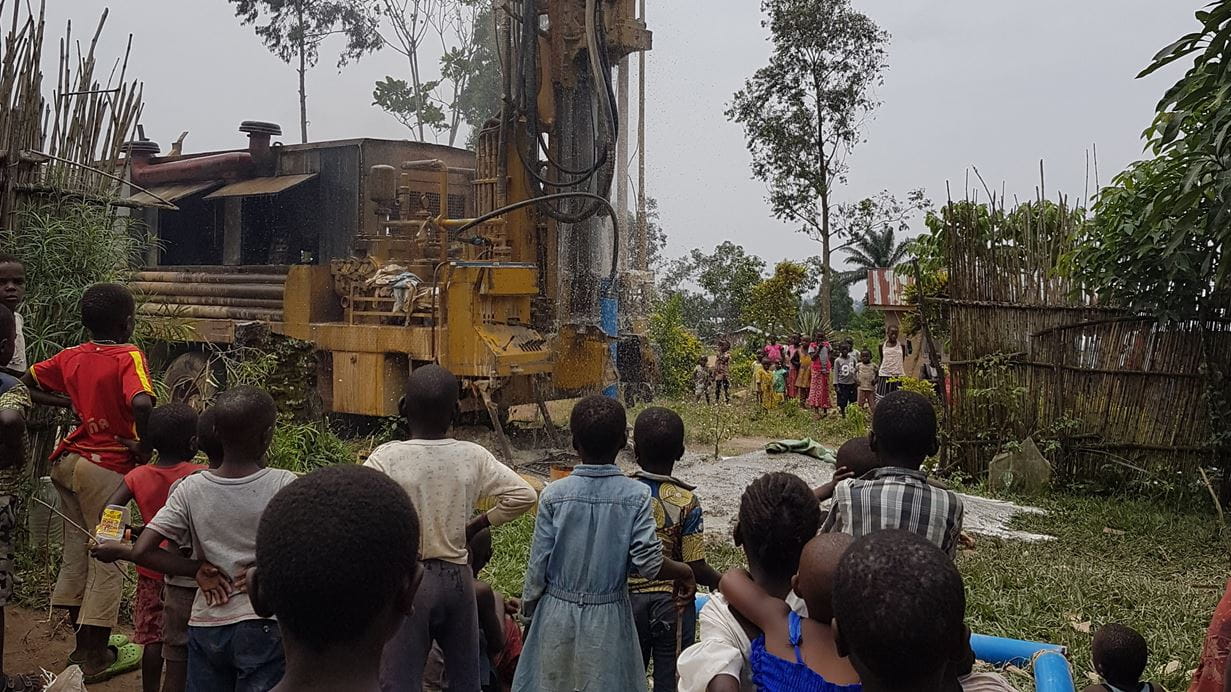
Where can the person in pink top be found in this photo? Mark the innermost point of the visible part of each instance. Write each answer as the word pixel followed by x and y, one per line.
pixel 773 351
pixel 818 394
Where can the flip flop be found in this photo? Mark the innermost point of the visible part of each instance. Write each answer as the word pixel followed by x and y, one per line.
pixel 127 659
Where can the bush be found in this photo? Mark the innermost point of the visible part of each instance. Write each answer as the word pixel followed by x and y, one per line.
pixel 678 347
pixel 305 447
pixel 67 244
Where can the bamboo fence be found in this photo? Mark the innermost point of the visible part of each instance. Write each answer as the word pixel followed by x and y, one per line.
pixel 1116 390
pixel 67 145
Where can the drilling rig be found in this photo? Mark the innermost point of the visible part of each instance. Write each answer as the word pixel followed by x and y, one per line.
pixel 517 274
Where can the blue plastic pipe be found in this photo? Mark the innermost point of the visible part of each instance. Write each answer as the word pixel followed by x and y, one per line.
pixel 609 320
pixel 1051 668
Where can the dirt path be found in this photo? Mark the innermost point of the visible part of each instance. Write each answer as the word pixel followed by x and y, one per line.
pixel 720 484
pixel 32 643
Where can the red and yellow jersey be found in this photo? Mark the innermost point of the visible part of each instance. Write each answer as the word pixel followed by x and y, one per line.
pixel 101 380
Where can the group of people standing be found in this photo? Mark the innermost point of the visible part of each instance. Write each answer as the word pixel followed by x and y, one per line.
pixel 820 375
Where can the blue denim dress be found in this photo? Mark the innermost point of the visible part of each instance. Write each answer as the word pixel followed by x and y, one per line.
pixel 592 529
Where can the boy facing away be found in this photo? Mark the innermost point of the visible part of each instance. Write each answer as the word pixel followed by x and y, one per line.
pixel 897 495
pixel 172 432
pixel 335 621
pixel 899 611
pixel 778 515
pixel 658 439
pixel 592 528
pixel 444 478
pixel 109 385
pixel 217 512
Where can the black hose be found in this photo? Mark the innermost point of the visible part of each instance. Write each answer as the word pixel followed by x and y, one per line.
pixel 615 234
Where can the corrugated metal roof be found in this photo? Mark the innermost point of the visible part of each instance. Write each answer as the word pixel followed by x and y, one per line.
pixel 171 193
pixel 261 186
pixel 885 288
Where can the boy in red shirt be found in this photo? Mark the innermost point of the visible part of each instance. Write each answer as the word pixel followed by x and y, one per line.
pixel 172 432
pixel 109 385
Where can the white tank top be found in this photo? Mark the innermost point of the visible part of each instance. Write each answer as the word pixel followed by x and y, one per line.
pixel 891 363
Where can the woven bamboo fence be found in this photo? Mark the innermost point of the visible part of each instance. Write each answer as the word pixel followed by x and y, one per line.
pixel 58 137
pixel 1113 389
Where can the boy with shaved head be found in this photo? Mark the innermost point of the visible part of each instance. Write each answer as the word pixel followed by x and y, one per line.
pixel 444 478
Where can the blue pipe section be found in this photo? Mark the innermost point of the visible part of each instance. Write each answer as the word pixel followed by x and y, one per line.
pixel 1051 668
pixel 609 321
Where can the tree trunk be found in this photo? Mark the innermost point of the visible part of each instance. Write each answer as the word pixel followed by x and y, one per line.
pixel 826 263
pixel 303 70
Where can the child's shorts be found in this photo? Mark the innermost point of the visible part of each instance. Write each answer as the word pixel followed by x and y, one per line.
pixel 8 527
pixel 147 614
pixel 176 609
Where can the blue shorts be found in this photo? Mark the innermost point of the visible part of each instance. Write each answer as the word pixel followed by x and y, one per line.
pixel 244 657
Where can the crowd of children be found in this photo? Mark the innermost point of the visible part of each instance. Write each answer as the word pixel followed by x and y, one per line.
pixel 822 377
pixel 365 578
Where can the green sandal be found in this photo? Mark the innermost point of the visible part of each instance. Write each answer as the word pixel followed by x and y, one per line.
pixel 127 659
pixel 115 641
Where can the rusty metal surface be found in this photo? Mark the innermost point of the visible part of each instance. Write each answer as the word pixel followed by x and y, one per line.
pixel 270 185
pixel 217 312
pixel 208 277
pixel 171 288
pixel 171 193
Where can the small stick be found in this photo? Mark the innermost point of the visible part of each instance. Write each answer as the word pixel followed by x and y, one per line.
pixel 70 522
pixel 1222 521
pixel 679 638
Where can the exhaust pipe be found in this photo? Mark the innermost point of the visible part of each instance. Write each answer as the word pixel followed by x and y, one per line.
pixel 148 170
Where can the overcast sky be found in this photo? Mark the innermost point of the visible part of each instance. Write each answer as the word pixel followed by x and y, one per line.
pixel 999 85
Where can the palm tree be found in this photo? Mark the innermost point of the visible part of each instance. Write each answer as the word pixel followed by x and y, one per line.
pixel 872 249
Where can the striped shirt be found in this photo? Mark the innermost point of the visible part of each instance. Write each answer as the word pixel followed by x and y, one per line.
pixel 896 498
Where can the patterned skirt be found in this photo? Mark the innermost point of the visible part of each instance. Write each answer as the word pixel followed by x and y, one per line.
pixel 818 392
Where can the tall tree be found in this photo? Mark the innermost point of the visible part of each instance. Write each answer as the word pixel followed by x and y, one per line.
pixel 803 113
pixel 467 88
pixel 655 236
pixel 726 278
pixel 873 227
pixel 293 30
pixel 773 304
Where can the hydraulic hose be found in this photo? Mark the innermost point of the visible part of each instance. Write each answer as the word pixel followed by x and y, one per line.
pixel 615 244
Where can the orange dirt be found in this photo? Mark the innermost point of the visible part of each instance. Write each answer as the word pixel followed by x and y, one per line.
pixel 32 643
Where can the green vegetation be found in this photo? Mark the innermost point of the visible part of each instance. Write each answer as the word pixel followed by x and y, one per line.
pixel 679 349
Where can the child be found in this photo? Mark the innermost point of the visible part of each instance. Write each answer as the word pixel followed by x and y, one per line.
pixel 701 380
pixel 1120 654
pixel 780 374
pixel 172 432
pixel 330 566
pixel 500 638
pixel 14 403
pixel 818 393
pixel 230 646
pixel 658 440
pixel 792 355
pixel 592 528
pixel 763 376
pixel 793 652
pixel 109 385
pixel 803 382
pixel 893 363
pixel 773 350
pixel 844 381
pixel 854 459
pixel 778 515
pixel 897 495
pixel 179 592
pixel 722 372
pixel 916 630
pixel 12 292
pixel 444 478
pixel 865 379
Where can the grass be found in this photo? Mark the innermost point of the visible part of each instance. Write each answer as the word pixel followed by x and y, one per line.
pixel 744 418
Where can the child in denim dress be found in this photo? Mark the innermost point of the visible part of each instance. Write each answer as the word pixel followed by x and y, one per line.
pixel 592 527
